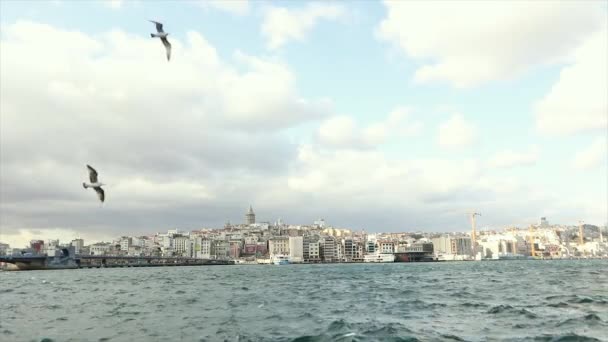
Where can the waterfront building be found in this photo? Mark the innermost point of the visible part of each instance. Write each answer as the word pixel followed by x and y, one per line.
pixel 78 245
pixel 311 248
pixel 296 249
pixel 261 249
pixel 125 243
pixel 206 249
pixel 350 249
pixel 181 245
pixel 4 247
pixel 278 246
pixel 385 247
pixel 328 249
pixel 460 245
pixel 100 248
pixel 496 246
pixel 314 251
pixel 235 249
pixel 221 249
pixel 134 251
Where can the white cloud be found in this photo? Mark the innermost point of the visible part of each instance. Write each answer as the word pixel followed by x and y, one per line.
pixel 593 155
pixel 368 173
pixel 467 43
pixel 114 4
pixel 338 131
pixel 456 132
pixel 509 158
pixel 167 136
pixel 282 25
pixel 344 132
pixel 578 102
pixel 238 7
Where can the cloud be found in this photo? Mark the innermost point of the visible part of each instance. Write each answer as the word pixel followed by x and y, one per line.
pixel 366 176
pixel 168 137
pixel 474 42
pixel 578 102
pixel 509 158
pixel 193 142
pixel 282 25
pixel 592 156
pixel 114 4
pixel 366 189
pixel 343 131
pixel 238 7
pixel 456 132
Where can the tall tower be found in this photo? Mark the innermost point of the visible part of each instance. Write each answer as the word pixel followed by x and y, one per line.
pixel 250 216
pixel 581 238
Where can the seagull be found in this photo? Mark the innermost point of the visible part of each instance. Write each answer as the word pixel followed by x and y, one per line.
pixel 96 185
pixel 163 37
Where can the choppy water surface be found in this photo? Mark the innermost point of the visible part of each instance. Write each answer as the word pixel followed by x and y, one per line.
pixel 483 301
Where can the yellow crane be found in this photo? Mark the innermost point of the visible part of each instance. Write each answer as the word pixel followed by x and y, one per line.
pixel 473 232
pixel 531 237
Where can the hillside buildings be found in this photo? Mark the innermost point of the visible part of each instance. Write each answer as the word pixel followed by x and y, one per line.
pixel 320 242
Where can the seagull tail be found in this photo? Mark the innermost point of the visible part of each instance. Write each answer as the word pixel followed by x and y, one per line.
pixel 153 35
pixel 84 185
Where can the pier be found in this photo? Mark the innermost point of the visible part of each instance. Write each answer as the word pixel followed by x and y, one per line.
pixel 66 260
pixel 99 261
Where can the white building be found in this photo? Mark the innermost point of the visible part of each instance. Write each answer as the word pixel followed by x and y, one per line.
pixel 329 249
pixel 181 245
pixel 125 243
pixel 449 247
pixel 100 248
pixel 78 245
pixel 278 246
pixel 314 250
pixel 496 246
pixel 206 250
pixel 296 249
pixel 386 247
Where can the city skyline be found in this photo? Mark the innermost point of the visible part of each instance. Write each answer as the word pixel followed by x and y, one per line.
pixel 358 113
pixel 249 220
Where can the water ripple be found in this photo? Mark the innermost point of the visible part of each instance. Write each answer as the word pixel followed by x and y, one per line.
pixel 502 301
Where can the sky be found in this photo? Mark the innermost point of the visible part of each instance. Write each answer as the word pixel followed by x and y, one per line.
pixel 380 116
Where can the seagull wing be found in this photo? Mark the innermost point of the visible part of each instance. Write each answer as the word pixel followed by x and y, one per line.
pixel 159 26
pixel 92 174
pixel 100 193
pixel 167 47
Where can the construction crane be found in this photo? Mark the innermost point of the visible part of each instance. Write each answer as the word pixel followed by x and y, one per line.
pixel 532 250
pixel 472 214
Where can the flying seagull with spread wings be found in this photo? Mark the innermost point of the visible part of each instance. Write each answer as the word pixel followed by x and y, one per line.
pixel 163 37
pixel 95 184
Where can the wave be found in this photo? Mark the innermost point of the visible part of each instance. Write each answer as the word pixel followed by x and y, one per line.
pixel 500 309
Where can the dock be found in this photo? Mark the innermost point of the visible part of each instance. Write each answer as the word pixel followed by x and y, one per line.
pixel 66 260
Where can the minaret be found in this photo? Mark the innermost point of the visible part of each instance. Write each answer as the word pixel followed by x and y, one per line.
pixel 250 216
